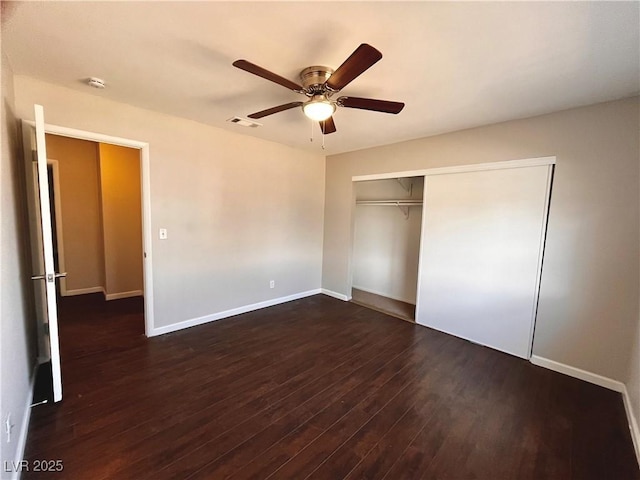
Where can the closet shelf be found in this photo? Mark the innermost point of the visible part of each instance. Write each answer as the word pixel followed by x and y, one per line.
pixel 402 204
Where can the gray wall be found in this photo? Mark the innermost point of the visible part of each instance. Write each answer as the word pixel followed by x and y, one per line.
pixel 17 337
pixel 240 211
pixel 588 307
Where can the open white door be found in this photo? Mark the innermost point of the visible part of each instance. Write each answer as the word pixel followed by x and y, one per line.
pixel 44 275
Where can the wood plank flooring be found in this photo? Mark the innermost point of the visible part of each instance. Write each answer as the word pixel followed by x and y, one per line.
pixel 395 308
pixel 316 388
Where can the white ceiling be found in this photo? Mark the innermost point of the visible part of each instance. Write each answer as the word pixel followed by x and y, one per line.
pixel 455 65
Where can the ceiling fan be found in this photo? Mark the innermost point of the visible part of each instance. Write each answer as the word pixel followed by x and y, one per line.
pixel 320 83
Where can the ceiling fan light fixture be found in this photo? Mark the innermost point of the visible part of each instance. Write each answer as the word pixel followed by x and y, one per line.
pixel 319 108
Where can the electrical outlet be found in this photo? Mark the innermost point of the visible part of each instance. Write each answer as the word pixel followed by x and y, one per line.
pixel 8 426
pixel 272 284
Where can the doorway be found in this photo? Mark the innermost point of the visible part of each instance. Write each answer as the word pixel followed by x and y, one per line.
pixel 145 201
pixel 38 199
pixel 386 245
pixel 96 217
pixel 40 219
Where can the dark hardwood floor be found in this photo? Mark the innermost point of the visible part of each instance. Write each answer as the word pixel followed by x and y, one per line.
pixel 315 388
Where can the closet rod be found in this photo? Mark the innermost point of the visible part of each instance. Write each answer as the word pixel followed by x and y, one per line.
pixel 390 203
pixel 403 205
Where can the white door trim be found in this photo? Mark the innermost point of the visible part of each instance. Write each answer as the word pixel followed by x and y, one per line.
pixel 145 172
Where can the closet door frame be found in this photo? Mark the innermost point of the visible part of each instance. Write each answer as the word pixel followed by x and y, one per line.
pixel 521 163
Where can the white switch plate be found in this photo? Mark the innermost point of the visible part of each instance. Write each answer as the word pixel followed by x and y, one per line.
pixel 163 234
pixel 272 284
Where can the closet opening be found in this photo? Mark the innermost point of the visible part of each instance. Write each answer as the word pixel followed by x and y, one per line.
pixel 386 245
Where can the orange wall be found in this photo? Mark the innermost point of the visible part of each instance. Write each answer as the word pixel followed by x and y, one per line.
pixel 122 218
pixel 80 203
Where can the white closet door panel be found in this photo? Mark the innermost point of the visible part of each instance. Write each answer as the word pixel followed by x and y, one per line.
pixel 481 246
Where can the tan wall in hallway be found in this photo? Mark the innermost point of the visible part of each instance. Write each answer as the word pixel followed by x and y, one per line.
pixel 80 203
pixel 122 218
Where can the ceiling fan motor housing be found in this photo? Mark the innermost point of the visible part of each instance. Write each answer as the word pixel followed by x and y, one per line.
pixel 313 78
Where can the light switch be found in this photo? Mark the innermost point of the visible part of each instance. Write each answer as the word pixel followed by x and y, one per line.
pixel 163 234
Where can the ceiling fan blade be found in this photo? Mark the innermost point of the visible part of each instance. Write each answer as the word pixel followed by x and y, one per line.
pixel 371 104
pixel 272 110
pixel 328 126
pixel 261 72
pixel 360 60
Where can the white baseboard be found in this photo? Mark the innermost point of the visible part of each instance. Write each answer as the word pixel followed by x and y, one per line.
pixel 337 295
pixel 230 313
pixel 590 377
pixel 107 296
pixel 21 444
pixel 82 291
pixel 118 296
pixel 633 422
pixel 382 294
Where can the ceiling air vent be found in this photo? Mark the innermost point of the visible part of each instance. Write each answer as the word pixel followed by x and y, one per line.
pixel 244 122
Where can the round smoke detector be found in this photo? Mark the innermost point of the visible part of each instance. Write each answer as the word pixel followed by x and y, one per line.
pixel 96 82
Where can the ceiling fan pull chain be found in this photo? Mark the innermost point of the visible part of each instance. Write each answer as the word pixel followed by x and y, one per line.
pixel 311 138
pixel 324 129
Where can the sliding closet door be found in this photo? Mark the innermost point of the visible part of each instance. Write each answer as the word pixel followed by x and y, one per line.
pixel 481 249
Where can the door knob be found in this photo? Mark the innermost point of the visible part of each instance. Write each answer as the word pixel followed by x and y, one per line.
pixel 49 277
